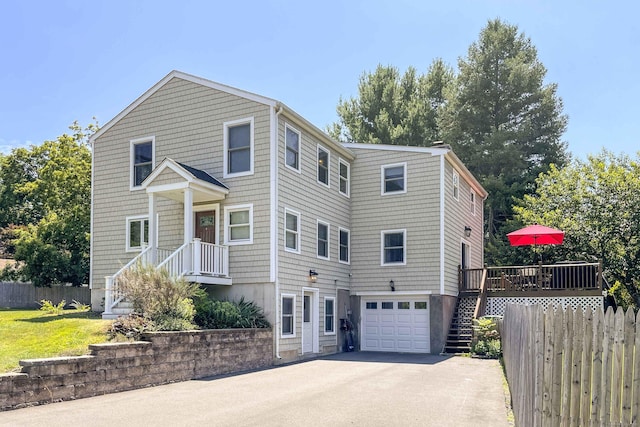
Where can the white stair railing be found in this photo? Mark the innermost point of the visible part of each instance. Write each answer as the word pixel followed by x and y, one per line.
pixel 175 263
pixel 195 258
pixel 113 292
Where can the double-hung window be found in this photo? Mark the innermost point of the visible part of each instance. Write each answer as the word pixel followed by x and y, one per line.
pixel 238 147
pixel 238 224
pixel 291 231
pixel 456 184
pixel 329 316
pixel 394 178
pixel 323 165
pixel 142 160
pixel 323 240
pixel 288 305
pixel 137 232
pixel 292 148
pixel 345 243
pixel 345 177
pixel 472 200
pixel 394 247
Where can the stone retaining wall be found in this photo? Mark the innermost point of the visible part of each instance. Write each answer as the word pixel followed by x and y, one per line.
pixel 162 357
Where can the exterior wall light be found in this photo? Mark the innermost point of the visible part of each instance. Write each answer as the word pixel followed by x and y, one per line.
pixel 392 285
pixel 313 275
pixel 467 230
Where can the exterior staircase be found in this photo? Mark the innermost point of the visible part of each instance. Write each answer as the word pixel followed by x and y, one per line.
pixel 196 261
pixel 460 331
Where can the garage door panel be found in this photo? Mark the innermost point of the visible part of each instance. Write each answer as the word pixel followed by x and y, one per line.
pixel 403 324
pixel 404 331
pixel 387 331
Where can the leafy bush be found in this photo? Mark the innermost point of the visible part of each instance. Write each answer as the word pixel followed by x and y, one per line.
pixel 80 306
pixel 163 299
pixel 486 338
pixel 49 308
pixel 11 273
pixel 213 314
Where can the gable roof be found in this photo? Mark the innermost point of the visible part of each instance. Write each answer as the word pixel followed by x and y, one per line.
pixel 202 175
pixel 193 177
pixel 188 77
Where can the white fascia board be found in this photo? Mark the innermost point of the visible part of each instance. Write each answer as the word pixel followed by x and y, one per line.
pixel 318 133
pixel 463 171
pixel 435 151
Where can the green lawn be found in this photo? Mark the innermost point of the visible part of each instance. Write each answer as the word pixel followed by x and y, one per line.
pixel 32 334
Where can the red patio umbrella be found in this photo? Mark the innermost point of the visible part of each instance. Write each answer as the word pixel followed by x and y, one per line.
pixel 536 235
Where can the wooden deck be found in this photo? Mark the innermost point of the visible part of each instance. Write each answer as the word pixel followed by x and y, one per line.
pixel 564 279
pixel 534 280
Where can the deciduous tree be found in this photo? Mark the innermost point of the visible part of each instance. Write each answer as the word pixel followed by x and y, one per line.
pixel 596 203
pixel 45 192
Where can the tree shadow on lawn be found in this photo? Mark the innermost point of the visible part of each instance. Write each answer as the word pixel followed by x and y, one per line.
pixel 51 317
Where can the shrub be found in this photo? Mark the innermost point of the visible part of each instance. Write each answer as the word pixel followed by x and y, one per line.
pixel 486 338
pixel 80 306
pixel 130 327
pixel 49 308
pixel 213 314
pixel 156 295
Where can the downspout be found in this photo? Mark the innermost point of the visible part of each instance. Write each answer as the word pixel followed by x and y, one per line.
pixel 274 222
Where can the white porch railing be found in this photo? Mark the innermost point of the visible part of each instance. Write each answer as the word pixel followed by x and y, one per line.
pixel 193 258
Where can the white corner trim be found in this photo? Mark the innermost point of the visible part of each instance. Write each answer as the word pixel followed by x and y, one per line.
pixel 442 224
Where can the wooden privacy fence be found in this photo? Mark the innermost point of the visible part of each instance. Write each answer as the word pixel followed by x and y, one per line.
pixel 25 295
pixel 567 368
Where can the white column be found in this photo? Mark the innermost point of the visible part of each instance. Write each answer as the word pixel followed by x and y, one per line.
pixel 188 227
pixel 153 238
pixel 188 215
pixel 197 256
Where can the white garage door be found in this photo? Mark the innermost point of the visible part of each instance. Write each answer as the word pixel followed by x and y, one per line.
pixel 395 324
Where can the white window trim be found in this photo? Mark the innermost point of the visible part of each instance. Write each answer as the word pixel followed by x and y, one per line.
pixel 128 221
pixel 299 169
pixel 328 184
pixel 293 308
pixel 225 165
pixel 382 180
pixel 404 247
pixel 227 211
pixel 318 222
pixel 341 161
pixel 298 231
pixel 340 229
pixel 472 201
pixel 132 144
pixel 455 181
pixel 325 316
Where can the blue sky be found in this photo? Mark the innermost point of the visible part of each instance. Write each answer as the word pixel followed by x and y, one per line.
pixel 72 60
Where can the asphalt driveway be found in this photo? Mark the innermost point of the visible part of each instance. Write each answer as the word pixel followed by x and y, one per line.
pixel 348 389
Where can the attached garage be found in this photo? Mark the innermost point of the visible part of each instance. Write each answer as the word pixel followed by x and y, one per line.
pixel 395 323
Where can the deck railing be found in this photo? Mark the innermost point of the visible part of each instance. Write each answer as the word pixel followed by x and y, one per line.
pixel 561 276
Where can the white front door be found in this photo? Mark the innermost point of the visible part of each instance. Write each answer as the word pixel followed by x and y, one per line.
pixel 307 323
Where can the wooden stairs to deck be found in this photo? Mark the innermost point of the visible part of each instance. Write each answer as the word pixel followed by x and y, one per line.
pixel 459 336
